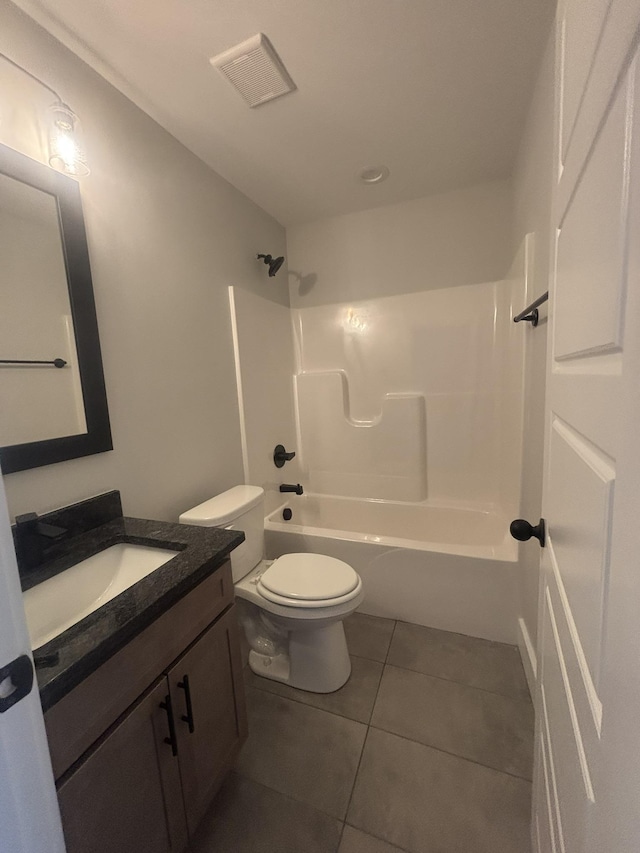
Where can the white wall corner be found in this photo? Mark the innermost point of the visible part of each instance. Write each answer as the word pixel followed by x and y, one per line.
pixel 528 655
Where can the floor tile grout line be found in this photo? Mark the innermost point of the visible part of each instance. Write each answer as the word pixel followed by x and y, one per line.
pixel 393 633
pixel 313 707
pixel 289 797
pixel 370 716
pixel 384 665
pixel 343 822
pixel 293 799
pixel 362 657
pixel 321 710
pixel 448 752
pixel 375 698
pixel 367 722
pixel 327 710
pixel 481 640
pixel 316 707
pixel 377 837
pixel 355 777
pixel 364 744
pixel 369 726
pixel 525 697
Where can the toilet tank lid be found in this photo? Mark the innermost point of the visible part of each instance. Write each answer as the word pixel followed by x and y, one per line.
pixel 225 507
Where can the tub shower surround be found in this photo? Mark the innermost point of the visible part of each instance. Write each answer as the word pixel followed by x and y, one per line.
pixel 408 412
pixel 406 397
pixel 384 457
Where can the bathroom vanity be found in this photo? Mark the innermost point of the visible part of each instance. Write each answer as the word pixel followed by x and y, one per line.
pixel 143 698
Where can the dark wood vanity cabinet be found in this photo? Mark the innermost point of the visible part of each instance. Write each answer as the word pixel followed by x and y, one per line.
pixel 208 727
pixel 148 780
pixel 127 795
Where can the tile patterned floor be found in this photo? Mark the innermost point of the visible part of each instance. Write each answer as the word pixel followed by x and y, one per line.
pixel 426 749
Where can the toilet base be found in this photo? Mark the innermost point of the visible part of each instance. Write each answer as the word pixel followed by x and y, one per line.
pixel 317 660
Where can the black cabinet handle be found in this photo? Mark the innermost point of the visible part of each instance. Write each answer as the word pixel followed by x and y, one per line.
pixel 522 530
pixel 18 675
pixel 166 706
pixel 188 717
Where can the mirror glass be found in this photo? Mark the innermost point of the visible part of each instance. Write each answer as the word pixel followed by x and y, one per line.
pixel 40 401
pixel 53 400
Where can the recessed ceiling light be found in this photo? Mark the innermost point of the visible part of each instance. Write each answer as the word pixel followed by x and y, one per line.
pixel 373 174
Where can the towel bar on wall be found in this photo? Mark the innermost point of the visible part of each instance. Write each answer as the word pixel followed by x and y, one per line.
pixel 56 362
pixel 530 313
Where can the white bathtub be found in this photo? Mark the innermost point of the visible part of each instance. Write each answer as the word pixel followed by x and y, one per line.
pixel 442 567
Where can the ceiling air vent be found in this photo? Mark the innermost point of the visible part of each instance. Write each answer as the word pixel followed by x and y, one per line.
pixel 254 69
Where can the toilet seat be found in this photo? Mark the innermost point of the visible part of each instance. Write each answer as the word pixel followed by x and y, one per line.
pixel 309 580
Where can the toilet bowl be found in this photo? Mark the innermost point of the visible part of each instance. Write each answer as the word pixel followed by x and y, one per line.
pixel 291 608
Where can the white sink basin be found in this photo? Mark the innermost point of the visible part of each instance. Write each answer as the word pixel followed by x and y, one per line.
pixel 59 602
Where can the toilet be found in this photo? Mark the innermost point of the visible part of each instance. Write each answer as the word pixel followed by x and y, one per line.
pixel 291 608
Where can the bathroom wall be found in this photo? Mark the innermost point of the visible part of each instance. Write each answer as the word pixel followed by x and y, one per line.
pixel 532 198
pixel 167 237
pixel 402 319
pixel 429 243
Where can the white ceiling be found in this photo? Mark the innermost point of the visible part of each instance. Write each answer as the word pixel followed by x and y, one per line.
pixel 435 89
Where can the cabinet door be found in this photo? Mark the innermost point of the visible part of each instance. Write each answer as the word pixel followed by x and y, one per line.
pixel 125 797
pixel 208 700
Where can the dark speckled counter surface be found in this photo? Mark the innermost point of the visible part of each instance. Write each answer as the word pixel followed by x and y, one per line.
pixel 65 661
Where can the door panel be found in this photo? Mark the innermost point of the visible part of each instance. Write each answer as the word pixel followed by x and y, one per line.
pixel 586 700
pixel 591 495
pixel 29 815
pixel 581 482
pixel 545 823
pixel 591 244
pixel 214 673
pixel 572 775
pixel 126 794
pixel 548 825
pixel 581 25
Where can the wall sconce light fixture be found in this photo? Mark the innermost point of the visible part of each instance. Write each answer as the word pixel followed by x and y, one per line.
pixel 66 153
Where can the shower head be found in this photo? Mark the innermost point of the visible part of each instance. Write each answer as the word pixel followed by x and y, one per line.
pixel 274 264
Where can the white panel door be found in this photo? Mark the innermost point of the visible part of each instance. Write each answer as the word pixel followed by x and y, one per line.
pixel 587 776
pixel 29 815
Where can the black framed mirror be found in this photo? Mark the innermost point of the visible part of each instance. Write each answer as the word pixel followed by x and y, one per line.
pixel 52 390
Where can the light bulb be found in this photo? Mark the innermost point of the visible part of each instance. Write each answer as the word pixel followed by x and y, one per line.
pixel 66 153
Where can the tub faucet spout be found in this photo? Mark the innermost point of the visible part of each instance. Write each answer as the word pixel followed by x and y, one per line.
pixel 287 487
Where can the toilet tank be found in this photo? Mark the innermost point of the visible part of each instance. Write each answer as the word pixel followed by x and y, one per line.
pixel 239 508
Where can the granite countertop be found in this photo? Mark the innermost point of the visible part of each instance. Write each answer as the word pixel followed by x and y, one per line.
pixel 62 663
